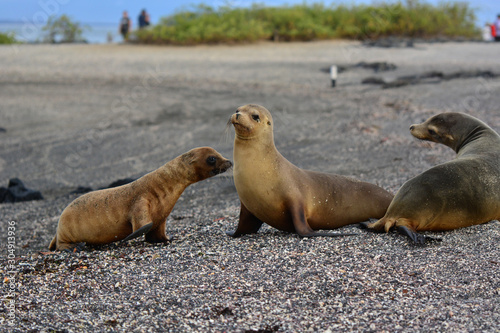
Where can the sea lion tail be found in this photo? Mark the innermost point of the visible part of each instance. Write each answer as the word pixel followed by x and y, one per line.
pixel 52 245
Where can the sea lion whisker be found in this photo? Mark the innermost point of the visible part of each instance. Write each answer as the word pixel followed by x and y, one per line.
pixel 422 142
pixel 226 134
pixel 228 175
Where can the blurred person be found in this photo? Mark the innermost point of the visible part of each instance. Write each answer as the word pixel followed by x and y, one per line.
pixel 125 25
pixel 497 28
pixel 143 19
pixel 488 34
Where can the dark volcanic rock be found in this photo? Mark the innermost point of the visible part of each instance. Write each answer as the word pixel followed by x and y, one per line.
pixel 82 190
pixel 121 182
pixel 390 42
pixel 17 192
pixel 373 80
pixel 429 77
pixel 377 66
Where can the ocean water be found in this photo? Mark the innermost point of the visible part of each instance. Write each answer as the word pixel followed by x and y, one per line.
pixel 96 33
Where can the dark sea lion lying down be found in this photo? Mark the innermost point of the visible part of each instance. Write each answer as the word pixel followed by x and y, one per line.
pixel 456 194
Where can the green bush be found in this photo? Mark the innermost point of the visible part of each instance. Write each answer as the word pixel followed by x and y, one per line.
pixel 205 25
pixel 62 30
pixel 413 19
pixel 7 38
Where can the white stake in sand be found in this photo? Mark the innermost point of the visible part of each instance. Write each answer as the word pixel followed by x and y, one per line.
pixel 333 75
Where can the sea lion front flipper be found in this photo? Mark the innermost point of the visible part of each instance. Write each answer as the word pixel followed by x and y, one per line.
pixel 139 232
pixel 158 235
pixel 248 223
pixel 414 236
pixel 72 248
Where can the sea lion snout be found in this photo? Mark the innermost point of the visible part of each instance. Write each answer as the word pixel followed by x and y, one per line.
pixel 421 132
pixel 234 118
pixel 226 165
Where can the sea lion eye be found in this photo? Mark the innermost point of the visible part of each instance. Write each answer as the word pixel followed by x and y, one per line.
pixel 256 117
pixel 432 132
pixel 211 160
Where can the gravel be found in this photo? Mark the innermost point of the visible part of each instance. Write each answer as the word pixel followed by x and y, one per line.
pixel 87 115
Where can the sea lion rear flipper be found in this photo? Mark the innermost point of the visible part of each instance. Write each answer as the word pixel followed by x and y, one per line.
pixel 304 229
pixel 367 225
pixel 139 232
pixel 414 236
pixel 248 223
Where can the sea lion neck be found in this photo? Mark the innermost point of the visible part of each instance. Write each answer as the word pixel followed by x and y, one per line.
pixel 475 135
pixel 255 138
pixel 248 154
pixel 260 141
pixel 176 168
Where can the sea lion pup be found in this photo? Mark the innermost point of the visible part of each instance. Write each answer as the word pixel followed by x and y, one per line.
pixel 138 208
pixel 274 191
pixel 456 194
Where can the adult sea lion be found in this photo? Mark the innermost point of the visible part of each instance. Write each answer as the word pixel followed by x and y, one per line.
pixel 141 207
pixel 456 194
pixel 274 191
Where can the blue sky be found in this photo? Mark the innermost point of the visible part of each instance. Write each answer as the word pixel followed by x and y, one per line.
pixel 92 11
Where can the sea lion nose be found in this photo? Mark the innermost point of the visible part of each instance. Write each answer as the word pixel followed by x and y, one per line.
pixel 412 127
pixel 237 115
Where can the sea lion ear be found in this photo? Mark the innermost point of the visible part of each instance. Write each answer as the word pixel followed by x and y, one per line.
pixel 188 158
pixel 269 123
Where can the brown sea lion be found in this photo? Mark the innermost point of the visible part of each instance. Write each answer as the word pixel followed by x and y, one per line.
pixel 456 194
pixel 274 191
pixel 141 207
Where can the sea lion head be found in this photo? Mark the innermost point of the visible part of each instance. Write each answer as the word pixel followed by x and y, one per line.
pixel 206 162
pixel 252 121
pixel 452 129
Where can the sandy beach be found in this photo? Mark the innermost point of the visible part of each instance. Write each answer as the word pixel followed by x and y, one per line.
pixel 87 115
